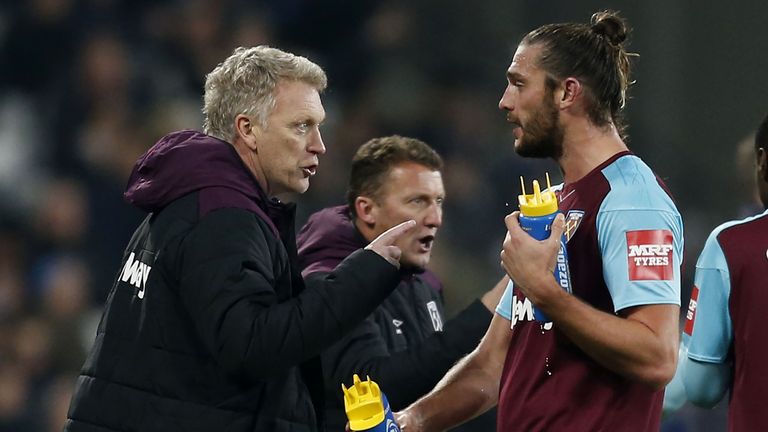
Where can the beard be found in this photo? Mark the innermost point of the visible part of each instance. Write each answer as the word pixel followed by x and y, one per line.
pixel 542 135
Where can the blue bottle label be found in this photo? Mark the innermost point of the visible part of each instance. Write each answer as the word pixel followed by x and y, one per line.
pixel 540 227
pixel 388 424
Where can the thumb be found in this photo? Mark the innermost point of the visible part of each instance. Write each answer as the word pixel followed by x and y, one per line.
pixel 395 253
pixel 512 221
pixel 558 227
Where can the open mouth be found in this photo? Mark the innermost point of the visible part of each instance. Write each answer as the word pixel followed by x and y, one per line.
pixel 309 171
pixel 517 129
pixel 426 242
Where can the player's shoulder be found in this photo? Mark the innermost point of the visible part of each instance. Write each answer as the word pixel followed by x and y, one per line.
pixel 736 224
pixel 713 255
pixel 634 186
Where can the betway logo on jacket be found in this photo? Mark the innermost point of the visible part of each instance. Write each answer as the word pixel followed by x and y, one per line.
pixel 649 255
pixel 136 273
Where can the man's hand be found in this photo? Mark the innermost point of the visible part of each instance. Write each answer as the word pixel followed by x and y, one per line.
pixel 406 421
pixel 403 419
pixel 530 262
pixel 384 244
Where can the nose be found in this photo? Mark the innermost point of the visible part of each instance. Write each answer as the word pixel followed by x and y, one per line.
pixel 505 104
pixel 434 216
pixel 315 144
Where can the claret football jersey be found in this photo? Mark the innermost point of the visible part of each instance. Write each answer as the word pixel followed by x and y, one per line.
pixel 625 242
pixel 726 317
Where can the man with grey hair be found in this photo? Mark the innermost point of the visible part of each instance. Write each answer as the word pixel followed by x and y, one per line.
pixel 208 325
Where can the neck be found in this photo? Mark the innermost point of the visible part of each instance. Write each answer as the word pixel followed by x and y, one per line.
pixel 251 162
pixel 586 146
pixel 364 229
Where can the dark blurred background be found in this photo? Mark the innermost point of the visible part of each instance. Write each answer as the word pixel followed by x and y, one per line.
pixel 86 86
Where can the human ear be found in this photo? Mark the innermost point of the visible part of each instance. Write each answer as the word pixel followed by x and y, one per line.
pixel 762 164
pixel 248 131
pixel 571 89
pixel 366 209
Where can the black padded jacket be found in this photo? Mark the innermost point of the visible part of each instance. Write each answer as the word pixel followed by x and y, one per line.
pixel 406 345
pixel 208 326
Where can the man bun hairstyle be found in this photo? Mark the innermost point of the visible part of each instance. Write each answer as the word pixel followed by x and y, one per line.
pixel 595 55
pixel 610 26
pixel 374 159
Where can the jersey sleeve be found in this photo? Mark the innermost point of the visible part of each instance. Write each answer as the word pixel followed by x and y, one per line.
pixel 641 251
pixel 708 328
pixel 504 308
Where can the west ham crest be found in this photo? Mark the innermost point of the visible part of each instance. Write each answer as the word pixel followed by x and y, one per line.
pixel 572 222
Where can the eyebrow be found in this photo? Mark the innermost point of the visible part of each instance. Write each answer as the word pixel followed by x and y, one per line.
pixel 309 117
pixel 514 76
pixel 425 195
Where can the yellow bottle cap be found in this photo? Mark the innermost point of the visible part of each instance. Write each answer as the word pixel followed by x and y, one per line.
pixel 538 203
pixel 363 404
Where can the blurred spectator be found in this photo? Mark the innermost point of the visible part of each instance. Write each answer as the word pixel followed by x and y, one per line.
pixel 62 218
pixel 56 403
pixel 22 154
pixel 39 44
pixel 14 389
pixel 64 302
pixel 12 293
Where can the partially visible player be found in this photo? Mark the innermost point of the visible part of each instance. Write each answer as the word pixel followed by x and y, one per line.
pixel 724 343
pixel 603 361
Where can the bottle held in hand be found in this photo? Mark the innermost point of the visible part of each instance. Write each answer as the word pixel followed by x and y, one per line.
pixel 537 212
pixel 367 407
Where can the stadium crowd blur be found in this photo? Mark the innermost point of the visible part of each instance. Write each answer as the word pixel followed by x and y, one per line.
pixel 86 86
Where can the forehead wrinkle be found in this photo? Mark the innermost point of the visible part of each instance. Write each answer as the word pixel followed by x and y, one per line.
pixel 405 171
pixel 297 108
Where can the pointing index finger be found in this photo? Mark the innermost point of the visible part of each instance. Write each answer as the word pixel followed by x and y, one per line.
pixel 391 235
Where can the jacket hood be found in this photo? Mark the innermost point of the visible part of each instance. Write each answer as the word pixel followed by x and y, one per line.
pixel 183 162
pixel 326 239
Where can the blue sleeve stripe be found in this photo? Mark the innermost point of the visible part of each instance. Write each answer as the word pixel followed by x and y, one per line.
pixel 706 359
pixel 644 302
pixel 716 232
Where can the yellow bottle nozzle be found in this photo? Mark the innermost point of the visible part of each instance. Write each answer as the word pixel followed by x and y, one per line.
pixel 363 404
pixel 537 200
pixel 521 198
pixel 538 203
